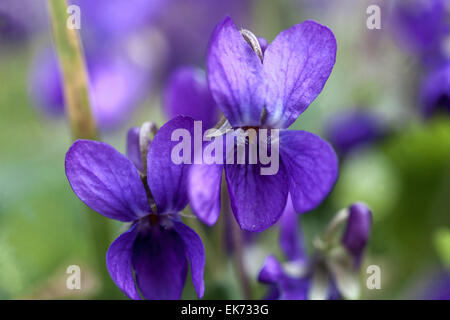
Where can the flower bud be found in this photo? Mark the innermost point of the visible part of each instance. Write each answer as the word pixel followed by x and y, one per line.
pixel 357 231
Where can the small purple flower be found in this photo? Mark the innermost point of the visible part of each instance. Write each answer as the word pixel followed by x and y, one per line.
pixel 158 246
pixel 109 19
pixel 435 93
pixel 188 24
pixel 116 86
pixel 188 94
pixel 420 26
pixel 20 19
pixel 330 272
pixel 268 89
pixel 357 231
pixel 436 287
pixel 353 129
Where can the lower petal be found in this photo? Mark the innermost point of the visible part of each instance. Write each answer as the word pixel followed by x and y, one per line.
pixel 119 263
pixel 257 200
pixel 312 166
pixel 195 253
pixel 160 264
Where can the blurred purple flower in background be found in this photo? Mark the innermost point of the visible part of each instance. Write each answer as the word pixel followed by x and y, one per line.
pixel 352 129
pixel 268 91
pixel 188 24
pixel 330 272
pixel 436 288
pixel 20 19
pixel 188 94
pixel 152 35
pixel 435 92
pixel 158 246
pixel 117 86
pixel 420 26
pixel 109 19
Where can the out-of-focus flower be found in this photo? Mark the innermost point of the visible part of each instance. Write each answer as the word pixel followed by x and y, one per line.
pixel 353 129
pixel 109 19
pixel 332 271
pixel 20 19
pixel 188 24
pixel 188 94
pixel 436 288
pixel 157 248
pixel 421 25
pixel 435 93
pixel 268 90
pixel 117 86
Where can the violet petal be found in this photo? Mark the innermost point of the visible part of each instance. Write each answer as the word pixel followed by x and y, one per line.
pixel 235 76
pixel 297 64
pixel 312 165
pixel 195 253
pixel 160 263
pixel 119 262
pixel 106 181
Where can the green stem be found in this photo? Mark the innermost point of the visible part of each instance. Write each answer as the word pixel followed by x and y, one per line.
pixel 238 246
pixel 75 85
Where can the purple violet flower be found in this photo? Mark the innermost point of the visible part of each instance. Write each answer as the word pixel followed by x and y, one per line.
pixel 421 25
pixel 109 19
pixel 435 287
pixel 435 94
pixel 117 86
pixel 20 19
pixel 330 272
pixel 268 90
pixel 158 246
pixel 188 24
pixel 188 94
pixel 353 129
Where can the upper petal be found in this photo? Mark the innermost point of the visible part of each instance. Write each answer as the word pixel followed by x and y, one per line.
pixel 188 94
pixel 235 76
pixel 204 191
pixel 160 263
pixel 166 179
pixel 257 200
pixel 106 181
pixel 195 253
pixel 133 148
pixel 291 237
pixel 297 64
pixel 312 166
pixel 119 263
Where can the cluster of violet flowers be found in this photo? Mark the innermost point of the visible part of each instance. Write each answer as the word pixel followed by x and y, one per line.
pixel 134 41
pixel 254 84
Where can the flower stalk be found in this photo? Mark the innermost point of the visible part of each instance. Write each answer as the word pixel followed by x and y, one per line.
pixel 75 85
